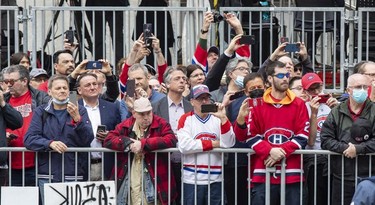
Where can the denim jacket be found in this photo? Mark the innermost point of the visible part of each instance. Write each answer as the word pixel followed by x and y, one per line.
pixel 148 186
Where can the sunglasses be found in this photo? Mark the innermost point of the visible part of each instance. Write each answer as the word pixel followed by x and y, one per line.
pixel 282 75
pixel 297 69
pixel 11 81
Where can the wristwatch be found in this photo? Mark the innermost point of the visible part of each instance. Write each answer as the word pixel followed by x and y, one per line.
pixel 204 31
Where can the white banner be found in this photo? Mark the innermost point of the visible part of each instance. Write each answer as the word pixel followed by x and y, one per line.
pixel 19 195
pixel 77 193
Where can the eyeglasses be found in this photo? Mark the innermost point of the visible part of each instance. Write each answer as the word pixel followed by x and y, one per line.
pixel 358 87
pixel 197 75
pixel 242 68
pixel 11 81
pixel 282 75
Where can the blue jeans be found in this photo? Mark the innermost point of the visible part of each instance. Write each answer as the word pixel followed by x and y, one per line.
pixel 292 194
pixel 202 194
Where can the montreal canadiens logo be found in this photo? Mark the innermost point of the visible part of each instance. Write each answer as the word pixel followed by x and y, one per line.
pixel 321 120
pixel 206 136
pixel 278 135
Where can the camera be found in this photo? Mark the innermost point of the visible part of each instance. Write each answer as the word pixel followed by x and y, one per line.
pixel 217 17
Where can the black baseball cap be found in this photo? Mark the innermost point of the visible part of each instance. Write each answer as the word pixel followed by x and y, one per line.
pixel 361 130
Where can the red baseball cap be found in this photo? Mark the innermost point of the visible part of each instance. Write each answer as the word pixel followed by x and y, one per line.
pixel 310 78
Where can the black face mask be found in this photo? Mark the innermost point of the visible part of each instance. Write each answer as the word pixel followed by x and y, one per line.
pixel 257 93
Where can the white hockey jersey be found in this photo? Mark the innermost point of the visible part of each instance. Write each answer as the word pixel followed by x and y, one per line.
pixel 195 135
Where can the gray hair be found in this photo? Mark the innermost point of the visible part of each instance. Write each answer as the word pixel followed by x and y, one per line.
pixel 20 69
pixel 232 64
pixel 138 66
pixel 170 70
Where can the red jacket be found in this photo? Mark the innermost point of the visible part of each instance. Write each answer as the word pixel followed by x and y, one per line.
pixel 160 136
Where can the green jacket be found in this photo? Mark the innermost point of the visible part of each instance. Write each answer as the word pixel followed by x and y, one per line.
pixel 335 136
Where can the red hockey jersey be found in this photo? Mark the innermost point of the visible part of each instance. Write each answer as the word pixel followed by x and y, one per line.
pixel 283 124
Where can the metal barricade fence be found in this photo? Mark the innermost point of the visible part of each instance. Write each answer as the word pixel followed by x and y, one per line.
pixel 303 184
pixel 83 21
pixel 10 39
pixel 332 51
pixel 300 24
pixel 365 29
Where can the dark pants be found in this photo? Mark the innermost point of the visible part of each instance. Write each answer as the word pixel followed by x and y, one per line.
pixel 176 167
pixel 3 178
pixel 242 184
pixel 292 194
pixel 202 194
pixel 349 188
pixel 29 177
pixel 321 188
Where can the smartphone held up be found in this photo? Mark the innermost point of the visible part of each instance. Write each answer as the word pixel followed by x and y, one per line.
pixel 206 108
pixel 92 65
pixel 130 87
pixel 73 97
pixel 147 33
pixel 247 40
pixel 323 98
pixel 69 35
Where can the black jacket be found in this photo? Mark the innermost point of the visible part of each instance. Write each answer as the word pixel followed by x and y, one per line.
pixel 38 97
pixel 335 136
pixel 9 118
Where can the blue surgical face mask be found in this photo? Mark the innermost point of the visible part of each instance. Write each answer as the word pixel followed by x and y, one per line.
pixel 359 95
pixel 239 81
pixel 59 102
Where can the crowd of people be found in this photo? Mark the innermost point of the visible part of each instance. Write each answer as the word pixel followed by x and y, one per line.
pixel 216 102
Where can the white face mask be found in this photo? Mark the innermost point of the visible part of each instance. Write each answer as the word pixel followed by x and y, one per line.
pixel 59 102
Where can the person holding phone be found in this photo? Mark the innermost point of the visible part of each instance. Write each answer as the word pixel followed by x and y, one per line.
pixel 198 132
pixel 274 139
pixel 279 54
pixel 207 57
pixel 25 99
pixel 100 67
pixel 139 73
pixel 138 52
pixel 101 121
pixel 10 119
pixel 319 106
pixel 46 133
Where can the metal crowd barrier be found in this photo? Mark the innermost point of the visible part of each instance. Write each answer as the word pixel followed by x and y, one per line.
pixel 223 152
pixel 321 29
pixel 335 51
